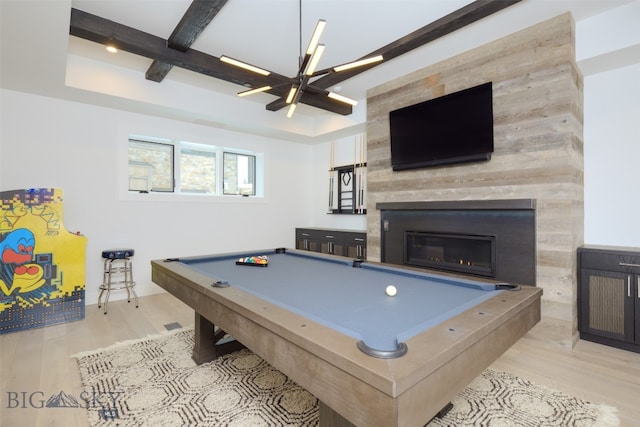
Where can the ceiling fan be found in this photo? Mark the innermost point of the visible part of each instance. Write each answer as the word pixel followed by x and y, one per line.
pixel 306 71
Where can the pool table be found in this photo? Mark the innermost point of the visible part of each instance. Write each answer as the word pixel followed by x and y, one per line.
pixel 326 322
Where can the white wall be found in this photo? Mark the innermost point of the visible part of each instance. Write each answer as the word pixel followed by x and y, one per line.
pixel 608 51
pixel 51 143
pixel 612 157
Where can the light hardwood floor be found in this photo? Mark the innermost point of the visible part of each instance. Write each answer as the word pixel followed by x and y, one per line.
pixel 36 364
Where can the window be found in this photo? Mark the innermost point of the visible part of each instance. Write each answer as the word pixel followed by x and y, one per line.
pixel 197 171
pixel 150 166
pixel 239 174
pixel 165 166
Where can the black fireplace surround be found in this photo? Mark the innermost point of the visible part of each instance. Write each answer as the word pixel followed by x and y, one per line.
pixel 487 238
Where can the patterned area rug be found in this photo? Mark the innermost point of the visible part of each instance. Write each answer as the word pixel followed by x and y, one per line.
pixel 154 382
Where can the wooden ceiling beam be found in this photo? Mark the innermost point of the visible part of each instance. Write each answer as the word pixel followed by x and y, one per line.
pixel 103 31
pixel 454 21
pixel 199 14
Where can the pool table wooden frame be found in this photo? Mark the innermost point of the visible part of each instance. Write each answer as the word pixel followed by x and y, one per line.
pixel 352 387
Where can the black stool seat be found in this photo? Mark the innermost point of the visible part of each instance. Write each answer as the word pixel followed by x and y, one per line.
pixel 117 253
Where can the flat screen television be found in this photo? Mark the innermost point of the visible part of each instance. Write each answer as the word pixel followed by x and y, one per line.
pixel 454 128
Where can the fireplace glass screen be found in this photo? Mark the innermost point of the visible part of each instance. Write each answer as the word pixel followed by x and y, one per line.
pixel 451 252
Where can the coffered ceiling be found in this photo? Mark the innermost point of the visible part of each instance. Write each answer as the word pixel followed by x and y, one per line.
pixel 40 56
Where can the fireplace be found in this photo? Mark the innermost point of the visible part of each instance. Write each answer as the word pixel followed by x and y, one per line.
pixel 488 238
pixel 461 253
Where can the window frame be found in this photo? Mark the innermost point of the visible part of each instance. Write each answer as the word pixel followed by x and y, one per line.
pixel 177 194
pixel 172 180
pixel 251 172
pixel 187 146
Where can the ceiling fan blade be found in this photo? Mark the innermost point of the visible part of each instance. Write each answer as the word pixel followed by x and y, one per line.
pixel 349 65
pixel 315 38
pixel 315 58
pixel 244 65
pixel 313 45
pixel 256 90
pixel 342 98
pixel 291 109
pixel 273 88
pixel 295 97
pixel 359 63
pixel 292 94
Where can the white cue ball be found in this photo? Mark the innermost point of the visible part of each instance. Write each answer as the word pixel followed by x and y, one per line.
pixel 391 290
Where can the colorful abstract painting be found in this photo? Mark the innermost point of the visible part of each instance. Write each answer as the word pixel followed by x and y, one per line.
pixel 42 265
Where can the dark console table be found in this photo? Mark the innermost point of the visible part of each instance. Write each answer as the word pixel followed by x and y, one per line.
pixel 347 243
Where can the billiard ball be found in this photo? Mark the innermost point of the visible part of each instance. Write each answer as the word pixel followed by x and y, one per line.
pixel 391 290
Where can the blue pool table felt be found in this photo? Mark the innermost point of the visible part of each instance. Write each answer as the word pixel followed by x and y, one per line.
pixel 351 300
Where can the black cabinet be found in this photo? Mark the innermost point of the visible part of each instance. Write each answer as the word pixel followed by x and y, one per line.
pixel 308 239
pixel 347 243
pixel 609 296
pixel 356 245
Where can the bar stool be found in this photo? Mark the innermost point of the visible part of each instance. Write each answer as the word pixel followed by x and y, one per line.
pixel 118 274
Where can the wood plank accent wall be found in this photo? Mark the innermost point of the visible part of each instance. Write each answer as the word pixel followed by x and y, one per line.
pixel 538 126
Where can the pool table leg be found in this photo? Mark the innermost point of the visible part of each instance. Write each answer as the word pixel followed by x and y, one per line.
pixel 210 343
pixel 330 418
pixel 443 412
pixel 204 349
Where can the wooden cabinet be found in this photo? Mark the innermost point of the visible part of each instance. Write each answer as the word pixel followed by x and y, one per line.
pixel 356 245
pixel 347 243
pixel 609 296
pixel 308 239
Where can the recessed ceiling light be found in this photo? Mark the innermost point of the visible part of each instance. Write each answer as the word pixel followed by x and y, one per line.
pixel 112 49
